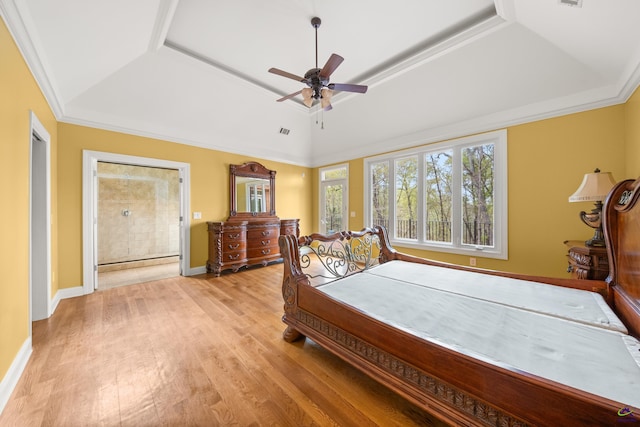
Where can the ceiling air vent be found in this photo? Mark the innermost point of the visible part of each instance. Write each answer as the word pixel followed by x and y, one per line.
pixel 284 131
pixel 572 3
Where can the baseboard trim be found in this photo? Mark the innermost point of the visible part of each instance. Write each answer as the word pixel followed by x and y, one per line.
pixel 197 270
pixel 65 293
pixel 14 373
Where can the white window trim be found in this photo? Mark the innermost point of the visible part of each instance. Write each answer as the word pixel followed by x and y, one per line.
pixel 345 194
pixel 500 249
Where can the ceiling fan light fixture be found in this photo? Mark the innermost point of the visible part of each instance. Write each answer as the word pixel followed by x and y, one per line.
pixel 317 79
pixel 325 99
pixel 307 96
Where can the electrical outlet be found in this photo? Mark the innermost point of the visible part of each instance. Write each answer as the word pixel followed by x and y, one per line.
pixel 197 215
pixel 472 261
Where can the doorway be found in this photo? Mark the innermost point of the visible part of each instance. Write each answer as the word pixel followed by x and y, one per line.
pixel 39 221
pixel 97 256
pixel 138 224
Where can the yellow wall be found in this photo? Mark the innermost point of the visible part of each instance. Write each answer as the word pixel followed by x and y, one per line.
pixel 546 162
pixel 632 130
pixel 19 94
pixel 209 188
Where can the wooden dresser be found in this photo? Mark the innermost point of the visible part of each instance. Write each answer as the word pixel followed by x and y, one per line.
pixel 587 262
pixel 234 244
pixel 250 235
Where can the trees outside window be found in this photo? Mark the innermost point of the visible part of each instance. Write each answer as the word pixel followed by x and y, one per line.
pixel 448 196
pixel 406 200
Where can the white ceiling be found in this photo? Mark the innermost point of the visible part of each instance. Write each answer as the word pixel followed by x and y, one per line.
pixel 195 71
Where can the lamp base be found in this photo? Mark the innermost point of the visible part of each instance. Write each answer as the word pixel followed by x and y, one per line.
pixel 594 220
pixel 597 241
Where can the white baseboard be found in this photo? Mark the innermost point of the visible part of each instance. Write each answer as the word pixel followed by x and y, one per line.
pixel 65 293
pixel 10 380
pixel 195 271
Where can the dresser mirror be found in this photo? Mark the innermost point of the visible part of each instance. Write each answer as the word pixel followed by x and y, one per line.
pixel 252 191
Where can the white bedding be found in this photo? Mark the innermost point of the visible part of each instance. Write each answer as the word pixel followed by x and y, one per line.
pixel 574 304
pixel 594 359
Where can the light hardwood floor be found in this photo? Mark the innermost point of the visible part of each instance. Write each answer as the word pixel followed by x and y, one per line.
pixel 130 276
pixel 199 351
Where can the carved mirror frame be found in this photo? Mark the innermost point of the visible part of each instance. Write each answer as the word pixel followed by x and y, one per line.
pixel 251 170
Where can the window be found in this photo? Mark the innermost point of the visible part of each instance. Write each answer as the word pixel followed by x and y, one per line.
pixel 333 199
pixel 449 196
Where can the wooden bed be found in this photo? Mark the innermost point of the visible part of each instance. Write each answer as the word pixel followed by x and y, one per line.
pixel 424 328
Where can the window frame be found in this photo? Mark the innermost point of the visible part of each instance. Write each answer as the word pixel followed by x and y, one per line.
pixel 500 248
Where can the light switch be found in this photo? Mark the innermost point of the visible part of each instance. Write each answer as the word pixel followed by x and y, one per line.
pixel 197 215
pixel 353 214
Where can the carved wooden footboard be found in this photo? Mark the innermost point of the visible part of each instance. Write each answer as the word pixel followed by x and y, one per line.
pixel 453 386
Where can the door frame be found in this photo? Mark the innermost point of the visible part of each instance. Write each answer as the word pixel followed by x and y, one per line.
pixel 39 221
pixel 90 161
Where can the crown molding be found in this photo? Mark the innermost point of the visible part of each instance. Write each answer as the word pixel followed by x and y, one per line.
pixel 166 12
pixel 586 101
pixel 18 21
pixel 265 153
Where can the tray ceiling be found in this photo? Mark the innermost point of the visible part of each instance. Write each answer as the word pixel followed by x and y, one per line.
pixel 195 71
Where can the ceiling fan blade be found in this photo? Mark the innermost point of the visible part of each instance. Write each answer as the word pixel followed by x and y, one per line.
pixel 291 95
pixel 345 87
pixel 288 75
pixel 331 65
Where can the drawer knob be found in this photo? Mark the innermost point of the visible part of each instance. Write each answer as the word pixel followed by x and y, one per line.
pixel 265 242
pixel 266 251
pixel 234 236
pixel 232 246
pixel 266 233
pixel 234 257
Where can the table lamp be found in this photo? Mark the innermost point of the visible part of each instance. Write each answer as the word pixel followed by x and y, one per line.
pixel 594 188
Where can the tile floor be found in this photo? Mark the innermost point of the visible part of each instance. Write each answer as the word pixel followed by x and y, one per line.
pixel 112 279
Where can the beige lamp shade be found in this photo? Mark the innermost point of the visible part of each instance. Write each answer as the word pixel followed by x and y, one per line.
pixel 307 94
pixel 325 101
pixel 595 187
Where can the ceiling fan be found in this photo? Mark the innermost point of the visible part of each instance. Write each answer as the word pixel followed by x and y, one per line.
pixel 317 79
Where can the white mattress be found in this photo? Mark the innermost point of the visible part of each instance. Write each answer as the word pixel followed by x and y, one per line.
pixel 597 360
pixel 574 304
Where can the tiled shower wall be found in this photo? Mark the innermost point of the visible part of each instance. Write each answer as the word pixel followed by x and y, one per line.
pixel 138 213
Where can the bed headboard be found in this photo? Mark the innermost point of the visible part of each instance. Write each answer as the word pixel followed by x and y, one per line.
pixel 621 223
pixel 324 258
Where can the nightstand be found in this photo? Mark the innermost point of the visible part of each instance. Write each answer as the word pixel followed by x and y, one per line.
pixel 587 262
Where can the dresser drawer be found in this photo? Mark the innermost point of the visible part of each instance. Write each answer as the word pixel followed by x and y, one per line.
pixel 263 252
pixel 263 242
pixel 262 233
pixel 234 245
pixel 230 257
pixel 232 237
